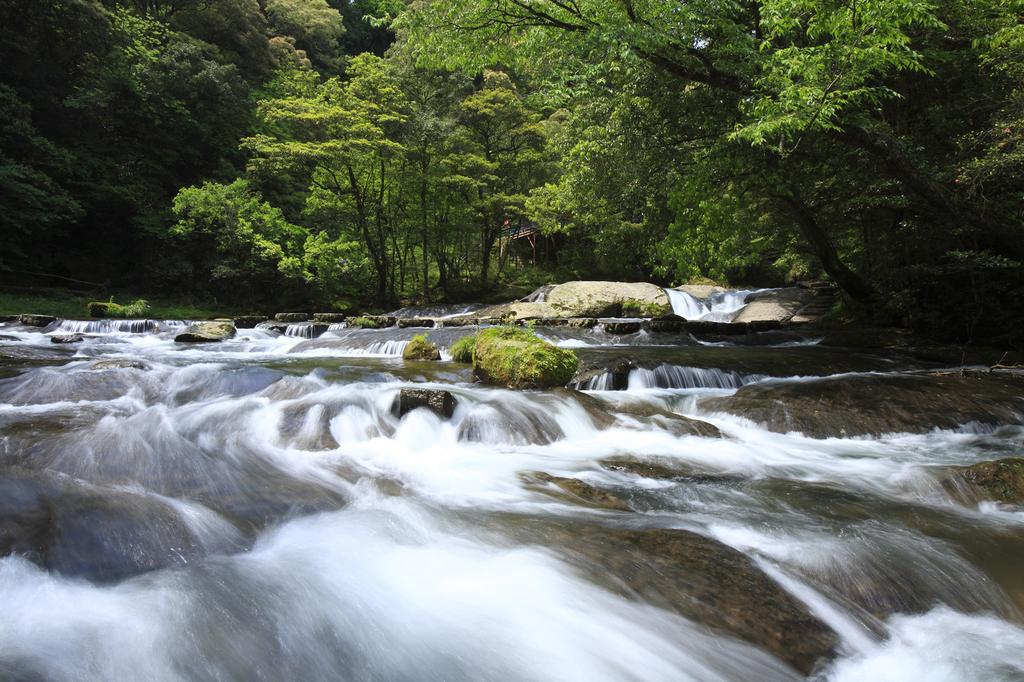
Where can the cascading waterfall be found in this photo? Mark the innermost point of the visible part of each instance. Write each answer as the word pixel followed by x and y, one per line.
pixel 721 306
pixel 257 508
pixel 674 376
pixel 109 326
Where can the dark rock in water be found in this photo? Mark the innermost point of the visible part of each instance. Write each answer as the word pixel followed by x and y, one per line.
pixel 67 338
pixel 37 320
pixel 550 322
pixel 704 328
pixel 249 321
pixel 878 404
pixel 668 323
pixel 1001 480
pixel 291 317
pixel 9 318
pixel 307 427
pixel 405 322
pixel 8 337
pixel 576 490
pixel 705 581
pixel 118 364
pixel 207 332
pixel 582 322
pixel 279 327
pixel 329 318
pixel 441 403
pixel 649 415
pixel 617 327
pixel 614 378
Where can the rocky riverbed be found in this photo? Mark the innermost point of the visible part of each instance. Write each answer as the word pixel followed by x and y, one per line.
pixel 271 503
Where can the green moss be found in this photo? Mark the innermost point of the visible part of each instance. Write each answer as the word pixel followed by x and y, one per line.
pixel 365 322
pixel 632 307
pixel 464 349
pixel 419 348
pixel 137 308
pixel 518 358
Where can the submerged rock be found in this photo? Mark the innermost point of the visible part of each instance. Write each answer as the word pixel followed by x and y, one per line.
pixel 31 320
pixel 518 358
pixel 441 403
pixel 703 580
pixel 1001 480
pixel 118 364
pixel 207 332
pixel 619 327
pixel 80 532
pixel 419 348
pixel 871 404
pixel 576 490
pixel 666 469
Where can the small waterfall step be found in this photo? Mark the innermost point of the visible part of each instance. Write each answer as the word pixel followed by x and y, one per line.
pixel 819 306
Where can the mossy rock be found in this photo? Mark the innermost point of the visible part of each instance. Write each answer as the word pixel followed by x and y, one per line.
pixel 1001 480
pixel 291 317
pixel 102 309
pixel 464 349
pixel 329 318
pixel 518 358
pixel 419 348
pixel 137 308
pixel 371 322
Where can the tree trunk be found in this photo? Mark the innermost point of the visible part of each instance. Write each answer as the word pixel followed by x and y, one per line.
pixel 852 284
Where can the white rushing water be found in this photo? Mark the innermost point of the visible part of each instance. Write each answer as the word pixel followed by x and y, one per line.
pixel 722 306
pixel 291 526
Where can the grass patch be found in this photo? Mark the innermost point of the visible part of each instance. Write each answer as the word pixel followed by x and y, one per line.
pixel 73 306
pixel 464 349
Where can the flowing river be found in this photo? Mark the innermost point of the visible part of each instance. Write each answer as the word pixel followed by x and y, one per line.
pixel 254 510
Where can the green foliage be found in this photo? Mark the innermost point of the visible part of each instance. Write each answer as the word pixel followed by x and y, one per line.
pixel 464 349
pixel 314 24
pixel 419 348
pixel 518 358
pixel 366 322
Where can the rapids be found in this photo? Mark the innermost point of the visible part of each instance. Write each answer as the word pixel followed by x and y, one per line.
pixel 253 509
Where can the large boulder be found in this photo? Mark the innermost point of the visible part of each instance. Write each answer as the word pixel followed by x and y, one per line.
pixel 776 305
pixel 605 299
pixel 872 404
pixel 207 332
pixel 701 291
pixel 518 358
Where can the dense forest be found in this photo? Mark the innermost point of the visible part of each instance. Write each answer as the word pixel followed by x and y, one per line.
pixel 343 152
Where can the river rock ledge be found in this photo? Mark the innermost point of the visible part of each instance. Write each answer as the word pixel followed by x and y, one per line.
pixel 873 405
pixel 207 332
